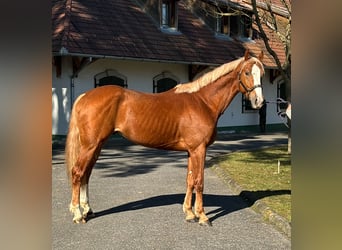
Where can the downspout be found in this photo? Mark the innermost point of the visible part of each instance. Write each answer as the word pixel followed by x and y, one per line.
pixel 75 75
pixel 72 87
pixel 64 52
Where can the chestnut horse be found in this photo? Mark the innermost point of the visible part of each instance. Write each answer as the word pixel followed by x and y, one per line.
pixel 183 119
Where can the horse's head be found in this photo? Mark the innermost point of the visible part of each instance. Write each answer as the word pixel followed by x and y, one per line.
pixel 250 75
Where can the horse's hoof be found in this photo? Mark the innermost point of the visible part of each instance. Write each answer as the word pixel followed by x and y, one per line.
pixel 205 223
pixel 77 221
pixel 192 220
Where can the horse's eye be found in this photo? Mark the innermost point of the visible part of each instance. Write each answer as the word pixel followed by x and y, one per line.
pixel 247 73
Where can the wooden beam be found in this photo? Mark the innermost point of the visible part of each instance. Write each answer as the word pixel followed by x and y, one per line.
pixel 57 62
pixel 195 70
pixel 79 63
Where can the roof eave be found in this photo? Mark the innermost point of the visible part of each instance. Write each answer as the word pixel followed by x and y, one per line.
pixel 64 52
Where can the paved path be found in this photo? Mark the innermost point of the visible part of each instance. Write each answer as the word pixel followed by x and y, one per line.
pixel 137 195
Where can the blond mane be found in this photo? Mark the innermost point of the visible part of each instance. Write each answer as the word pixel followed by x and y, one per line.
pixel 208 77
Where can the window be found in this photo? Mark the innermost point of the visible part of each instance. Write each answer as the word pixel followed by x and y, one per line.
pixel 165 15
pixel 169 17
pixel 234 25
pixel 246 26
pixel 226 19
pixel 222 25
pixel 110 77
pixel 246 105
pixel 164 82
pixel 281 93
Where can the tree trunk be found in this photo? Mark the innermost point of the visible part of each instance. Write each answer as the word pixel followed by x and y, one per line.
pixel 289 141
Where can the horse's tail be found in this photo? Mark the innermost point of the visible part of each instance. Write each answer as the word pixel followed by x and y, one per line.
pixel 72 145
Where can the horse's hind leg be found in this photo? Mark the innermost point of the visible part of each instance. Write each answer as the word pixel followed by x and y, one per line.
pixel 87 212
pixel 80 176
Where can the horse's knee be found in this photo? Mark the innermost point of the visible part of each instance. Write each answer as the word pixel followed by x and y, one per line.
pixel 199 186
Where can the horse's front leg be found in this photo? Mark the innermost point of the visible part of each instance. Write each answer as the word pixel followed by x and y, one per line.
pixel 196 179
pixel 199 210
pixel 187 205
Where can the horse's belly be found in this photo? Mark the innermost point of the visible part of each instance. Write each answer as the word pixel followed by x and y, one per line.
pixel 161 133
pixel 152 122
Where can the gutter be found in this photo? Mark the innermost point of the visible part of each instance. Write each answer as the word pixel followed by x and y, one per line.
pixel 72 86
pixel 64 52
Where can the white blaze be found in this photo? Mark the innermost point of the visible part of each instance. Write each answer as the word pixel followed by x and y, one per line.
pixel 256 77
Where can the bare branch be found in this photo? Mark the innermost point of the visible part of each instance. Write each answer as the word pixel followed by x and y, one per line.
pixel 287 6
pixel 266 41
pixel 274 21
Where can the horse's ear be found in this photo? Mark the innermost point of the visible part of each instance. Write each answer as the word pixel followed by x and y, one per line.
pixel 261 55
pixel 246 54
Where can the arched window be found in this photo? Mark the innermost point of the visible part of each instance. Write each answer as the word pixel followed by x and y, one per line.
pixel 164 82
pixel 110 77
pixel 282 93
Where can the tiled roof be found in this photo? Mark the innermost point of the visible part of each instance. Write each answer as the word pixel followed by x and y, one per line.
pixel 278 6
pixel 120 29
pixel 274 43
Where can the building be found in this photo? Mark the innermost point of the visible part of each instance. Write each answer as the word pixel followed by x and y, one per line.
pixel 150 46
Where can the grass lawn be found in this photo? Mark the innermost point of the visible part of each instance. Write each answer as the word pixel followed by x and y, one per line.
pixel 258 172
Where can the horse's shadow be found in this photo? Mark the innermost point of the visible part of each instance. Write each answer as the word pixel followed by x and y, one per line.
pixel 226 203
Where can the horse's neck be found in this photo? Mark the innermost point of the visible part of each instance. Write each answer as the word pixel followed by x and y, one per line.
pixel 219 94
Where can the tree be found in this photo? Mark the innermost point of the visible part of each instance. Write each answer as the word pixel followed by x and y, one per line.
pixel 276 18
pixel 281 25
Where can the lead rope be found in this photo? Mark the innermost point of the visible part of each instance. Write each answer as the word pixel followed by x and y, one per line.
pixel 282 114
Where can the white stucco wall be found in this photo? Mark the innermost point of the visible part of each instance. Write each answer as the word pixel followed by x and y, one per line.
pixel 140 77
pixel 139 74
pixel 61 98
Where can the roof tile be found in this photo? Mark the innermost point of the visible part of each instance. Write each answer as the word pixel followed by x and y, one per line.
pixel 120 28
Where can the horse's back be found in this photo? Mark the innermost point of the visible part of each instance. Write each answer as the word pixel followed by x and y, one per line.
pixel 103 92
